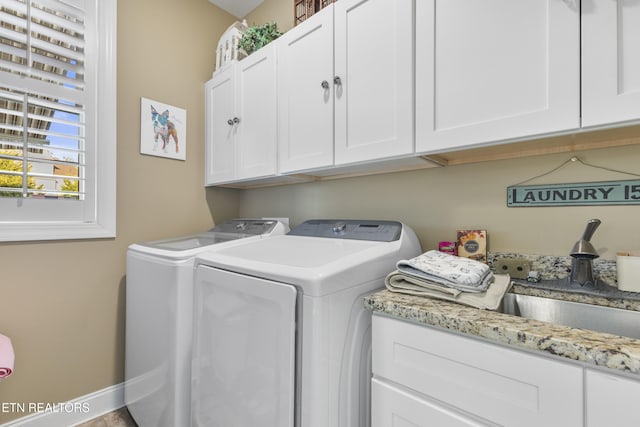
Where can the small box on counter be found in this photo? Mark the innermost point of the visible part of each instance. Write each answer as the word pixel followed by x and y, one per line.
pixel 473 244
pixel 448 248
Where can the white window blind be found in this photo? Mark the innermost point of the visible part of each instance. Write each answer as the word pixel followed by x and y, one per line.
pixel 56 167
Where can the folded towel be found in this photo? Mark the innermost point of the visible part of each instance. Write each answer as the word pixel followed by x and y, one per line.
pixel 6 357
pixel 460 273
pixel 488 300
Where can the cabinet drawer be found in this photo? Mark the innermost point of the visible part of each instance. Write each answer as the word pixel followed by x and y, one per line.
pixel 505 386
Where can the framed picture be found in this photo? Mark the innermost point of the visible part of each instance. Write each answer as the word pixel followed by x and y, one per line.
pixel 163 130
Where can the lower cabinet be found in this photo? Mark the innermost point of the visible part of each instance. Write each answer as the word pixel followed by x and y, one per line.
pixel 611 400
pixel 424 376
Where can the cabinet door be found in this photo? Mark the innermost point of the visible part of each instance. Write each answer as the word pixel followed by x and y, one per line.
pixel 219 134
pixel 495 70
pixel 611 400
pixel 610 61
pixel 393 407
pixel 374 96
pixel 257 127
pixel 492 382
pixel 305 94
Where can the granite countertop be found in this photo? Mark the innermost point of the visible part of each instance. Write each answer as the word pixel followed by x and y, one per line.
pixel 594 348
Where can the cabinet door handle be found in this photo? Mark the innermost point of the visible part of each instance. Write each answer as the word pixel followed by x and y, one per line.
pixel 236 120
pixel 230 122
pixel 324 84
pixel 337 81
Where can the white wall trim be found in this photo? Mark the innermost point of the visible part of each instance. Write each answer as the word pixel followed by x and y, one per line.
pixel 75 411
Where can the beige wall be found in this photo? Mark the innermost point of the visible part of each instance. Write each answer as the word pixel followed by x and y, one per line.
pixel 436 202
pixel 62 303
pixel 280 11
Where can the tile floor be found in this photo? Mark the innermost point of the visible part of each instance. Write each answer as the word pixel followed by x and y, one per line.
pixel 118 418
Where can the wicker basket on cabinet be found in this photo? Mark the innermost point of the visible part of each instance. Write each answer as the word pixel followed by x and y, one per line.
pixel 302 9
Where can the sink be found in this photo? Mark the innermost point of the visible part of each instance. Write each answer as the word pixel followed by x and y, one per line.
pixel 599 289
pixel 598 318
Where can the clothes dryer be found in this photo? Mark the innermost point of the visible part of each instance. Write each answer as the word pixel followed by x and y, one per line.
pixel 159 318
pixel 281 335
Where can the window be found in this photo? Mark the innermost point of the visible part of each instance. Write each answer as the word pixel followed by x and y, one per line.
pixel 57 119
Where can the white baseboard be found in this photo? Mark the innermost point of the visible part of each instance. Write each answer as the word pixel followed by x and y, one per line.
pixel 73 412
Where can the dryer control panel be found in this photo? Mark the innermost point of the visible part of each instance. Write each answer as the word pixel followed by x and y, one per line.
pixel 378 231
pixel 245 226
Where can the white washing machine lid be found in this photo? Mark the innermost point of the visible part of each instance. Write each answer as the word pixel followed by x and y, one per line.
pixel 318 265
pixel 224 234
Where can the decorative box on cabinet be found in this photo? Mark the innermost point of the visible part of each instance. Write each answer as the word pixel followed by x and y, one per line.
pixel 304 9
pixel 610 62
pixel 464 381
pixel 352 104
pixel 241 125
pixel 495 70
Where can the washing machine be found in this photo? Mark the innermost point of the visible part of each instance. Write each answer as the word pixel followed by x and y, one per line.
pixel 159 318
pixel 281 335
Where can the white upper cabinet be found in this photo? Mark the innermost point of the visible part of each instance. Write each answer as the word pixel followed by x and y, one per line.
pixel 241 126
pixel 364 83
pixel 374 93
pixel 610 61
pixel 352 104
pixel 257 135
pixel 495 70
pixel 305 94
pixel 219 134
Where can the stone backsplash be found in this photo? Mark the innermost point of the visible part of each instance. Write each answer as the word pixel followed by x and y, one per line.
pixel 558 267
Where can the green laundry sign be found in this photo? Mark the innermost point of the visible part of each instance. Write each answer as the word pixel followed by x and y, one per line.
pixel 576 194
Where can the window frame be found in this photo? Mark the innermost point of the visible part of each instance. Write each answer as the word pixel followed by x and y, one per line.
pixel 100 222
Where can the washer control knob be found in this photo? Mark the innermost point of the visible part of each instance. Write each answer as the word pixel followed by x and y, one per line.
pixel 339 227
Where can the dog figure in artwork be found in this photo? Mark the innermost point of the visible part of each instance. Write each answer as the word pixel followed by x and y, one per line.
pixel 164 129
